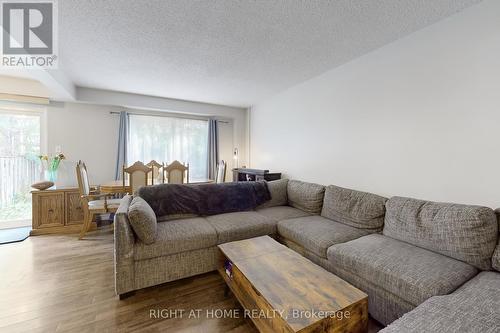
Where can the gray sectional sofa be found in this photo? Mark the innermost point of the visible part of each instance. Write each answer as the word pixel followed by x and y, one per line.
pixel 432 265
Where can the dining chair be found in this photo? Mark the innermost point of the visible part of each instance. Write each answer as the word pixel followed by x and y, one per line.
pixel 176 173
pixel 93 202
pixel 137 175
pixel 221 172
pixel 157 173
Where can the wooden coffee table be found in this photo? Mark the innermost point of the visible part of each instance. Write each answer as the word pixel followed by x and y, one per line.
pixel 281 291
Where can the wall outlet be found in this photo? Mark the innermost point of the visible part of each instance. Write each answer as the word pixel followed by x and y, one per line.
pixel 58 149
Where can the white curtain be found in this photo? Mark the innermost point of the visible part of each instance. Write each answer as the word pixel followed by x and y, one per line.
pixel 166 139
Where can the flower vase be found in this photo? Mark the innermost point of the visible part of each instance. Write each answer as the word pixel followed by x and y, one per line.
pixel 51 175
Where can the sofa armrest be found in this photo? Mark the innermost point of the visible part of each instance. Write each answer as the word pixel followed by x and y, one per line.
pixel 123 248
pixel 124 236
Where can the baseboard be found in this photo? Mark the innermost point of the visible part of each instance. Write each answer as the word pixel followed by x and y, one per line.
pixel 69 229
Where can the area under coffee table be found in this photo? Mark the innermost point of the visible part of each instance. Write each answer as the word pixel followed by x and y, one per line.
pixel 281 291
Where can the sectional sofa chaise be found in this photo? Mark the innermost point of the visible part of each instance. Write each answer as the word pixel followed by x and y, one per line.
pixel 426 266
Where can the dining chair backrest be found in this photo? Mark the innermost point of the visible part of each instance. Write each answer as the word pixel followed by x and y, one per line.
pixel 83 178
pixel 221 172
pixel 177 173
pixel 138 175
pixel 157 175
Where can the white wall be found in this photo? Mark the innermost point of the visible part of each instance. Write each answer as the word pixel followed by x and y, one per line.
pixel 84 132
pixel 419 117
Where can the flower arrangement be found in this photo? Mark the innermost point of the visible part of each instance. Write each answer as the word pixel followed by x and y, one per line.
pixel 50 165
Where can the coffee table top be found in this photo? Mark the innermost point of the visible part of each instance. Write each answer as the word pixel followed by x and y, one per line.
pixel 289 282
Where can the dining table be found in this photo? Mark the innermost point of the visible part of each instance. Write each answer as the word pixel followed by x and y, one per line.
pixel 118 186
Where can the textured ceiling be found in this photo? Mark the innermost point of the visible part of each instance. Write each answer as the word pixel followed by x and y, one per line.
pixel 227 52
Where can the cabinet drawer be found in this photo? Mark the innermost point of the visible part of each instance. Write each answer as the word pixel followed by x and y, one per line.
pixel 74 210
pixel 49 210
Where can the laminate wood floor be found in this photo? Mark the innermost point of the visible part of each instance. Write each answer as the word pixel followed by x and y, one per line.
pixel 60 284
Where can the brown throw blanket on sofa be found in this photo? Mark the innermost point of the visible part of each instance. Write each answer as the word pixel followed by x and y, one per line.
pixel 205 199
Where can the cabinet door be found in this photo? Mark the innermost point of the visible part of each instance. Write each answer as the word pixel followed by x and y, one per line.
pixel 50 210
pixel 74 209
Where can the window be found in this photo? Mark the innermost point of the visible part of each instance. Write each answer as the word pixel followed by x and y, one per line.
pixel 19 165
pixel 166 139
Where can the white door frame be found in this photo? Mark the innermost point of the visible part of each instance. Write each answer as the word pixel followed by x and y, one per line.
pixel 31 110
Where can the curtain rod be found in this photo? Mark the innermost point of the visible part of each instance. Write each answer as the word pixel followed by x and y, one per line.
pixel 168 115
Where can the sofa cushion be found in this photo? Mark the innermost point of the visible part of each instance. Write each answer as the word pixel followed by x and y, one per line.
pixel 409 272
pixel 277 189
pixel 172 217
pixel 241 225
pixel 143 220
pixel 495 261
pixel 178 236
pixel 496 258
pixel 467 233
pixel 316 233
pixel 305 196
pixel 279 213
pixel 357 209
pixel 474 307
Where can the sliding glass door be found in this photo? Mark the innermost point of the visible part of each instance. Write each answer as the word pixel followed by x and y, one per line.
pixel 19 165
pixel 166 139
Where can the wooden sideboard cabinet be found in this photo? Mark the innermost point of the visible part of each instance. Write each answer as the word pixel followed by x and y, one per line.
pixel 57 211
